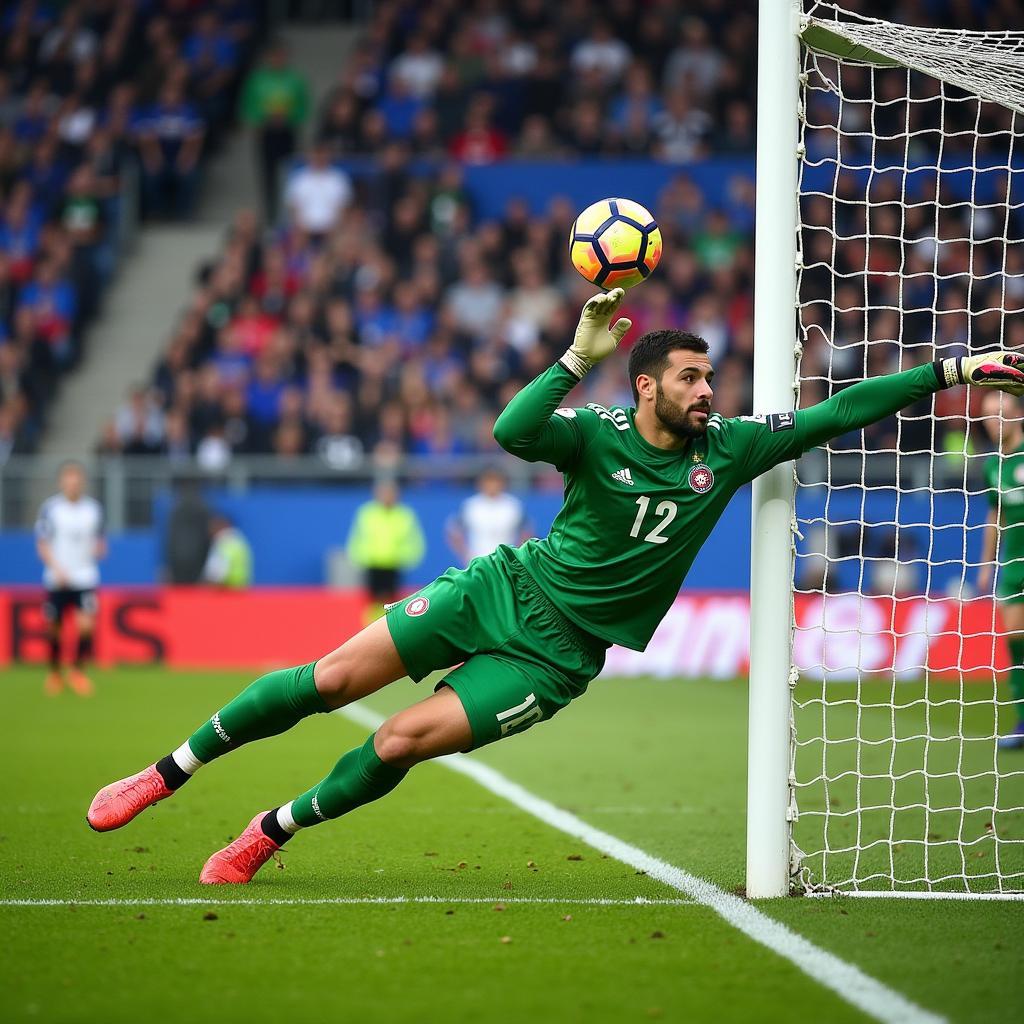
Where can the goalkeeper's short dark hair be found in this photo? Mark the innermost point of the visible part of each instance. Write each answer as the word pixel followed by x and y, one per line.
pixel 650 354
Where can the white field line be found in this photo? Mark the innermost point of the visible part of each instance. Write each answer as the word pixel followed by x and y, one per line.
pixel 346 901
pixel 847 981
pixel 873 894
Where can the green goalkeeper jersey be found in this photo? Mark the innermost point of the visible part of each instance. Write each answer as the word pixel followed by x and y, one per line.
pixel 635 516
pixel 1004 475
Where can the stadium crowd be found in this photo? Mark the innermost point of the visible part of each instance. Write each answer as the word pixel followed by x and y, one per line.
pixel 95 95
pixel 379 313
pixel 400 324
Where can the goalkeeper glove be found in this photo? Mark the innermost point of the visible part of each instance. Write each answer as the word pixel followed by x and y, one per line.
pixel 594 339
pixel 1003 370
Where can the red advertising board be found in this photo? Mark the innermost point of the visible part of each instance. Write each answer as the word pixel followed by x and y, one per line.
pixel 704 634
pixel 841 636
pixel 193 627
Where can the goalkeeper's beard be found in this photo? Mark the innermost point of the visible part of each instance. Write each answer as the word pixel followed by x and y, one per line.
pixel 677 420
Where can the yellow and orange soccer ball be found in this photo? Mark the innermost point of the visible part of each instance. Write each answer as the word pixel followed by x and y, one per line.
pixel 615 243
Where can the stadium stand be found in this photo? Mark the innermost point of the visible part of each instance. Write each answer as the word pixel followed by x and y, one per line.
pixel 107 108
pixel 381 309
pixel 384 313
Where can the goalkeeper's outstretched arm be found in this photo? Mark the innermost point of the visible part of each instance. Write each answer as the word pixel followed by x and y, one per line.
pixel 528 427
pixel 779 439
pixel 872 400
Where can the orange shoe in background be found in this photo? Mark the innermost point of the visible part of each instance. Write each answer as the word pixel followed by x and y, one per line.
pixel 80 683
pixel 240 860
pixel 53 683
pixel 115 805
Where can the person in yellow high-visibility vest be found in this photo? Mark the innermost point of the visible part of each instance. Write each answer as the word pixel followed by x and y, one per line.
pixel 385 539
pixel 229 563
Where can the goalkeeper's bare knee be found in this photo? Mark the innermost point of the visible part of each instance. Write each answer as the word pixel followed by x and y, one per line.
pixel 359 667
pixel 432 728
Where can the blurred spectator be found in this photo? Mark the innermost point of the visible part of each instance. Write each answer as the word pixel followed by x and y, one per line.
pixel 69 40
pixel 680 130
pixel 600 59
pixel 8 431
pixel 474 300
pixel 188 534
pixel 385 539
pixel 275 103
pixel 695 65
pixel 53 304
pixel 318 193
pixel 20 232
pixel 480 142
pixel 418 68
pixel 139 424
pixel 338 444
pixel 211 53
pixel 170 135
pixel 490 517
pixel 213 452
pixel 229 562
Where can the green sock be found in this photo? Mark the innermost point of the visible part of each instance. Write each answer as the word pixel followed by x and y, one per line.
pixel 271 705
pixel 358 778
pixel 1016 645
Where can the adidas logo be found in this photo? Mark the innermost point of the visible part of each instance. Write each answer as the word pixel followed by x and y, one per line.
pixel 623 476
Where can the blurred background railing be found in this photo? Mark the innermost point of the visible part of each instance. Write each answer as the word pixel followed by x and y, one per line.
pixel 131 486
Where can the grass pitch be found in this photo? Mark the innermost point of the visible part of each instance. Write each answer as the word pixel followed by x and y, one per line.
pixel 658 764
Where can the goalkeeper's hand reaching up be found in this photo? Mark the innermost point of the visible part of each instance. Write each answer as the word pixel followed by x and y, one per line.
pixel 594 339
pixel 1003 370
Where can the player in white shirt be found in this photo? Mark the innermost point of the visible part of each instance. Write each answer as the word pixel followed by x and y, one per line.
pixel 491 517
pixel 70 542
pixel 318 194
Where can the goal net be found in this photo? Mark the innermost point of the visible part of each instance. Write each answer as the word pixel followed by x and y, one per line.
pixel 910 248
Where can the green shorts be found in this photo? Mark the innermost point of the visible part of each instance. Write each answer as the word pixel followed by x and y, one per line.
pixel 1010 582
pixel 521 659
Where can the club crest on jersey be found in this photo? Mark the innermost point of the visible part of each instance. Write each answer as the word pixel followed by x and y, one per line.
pixel 701 479
pixel 417 606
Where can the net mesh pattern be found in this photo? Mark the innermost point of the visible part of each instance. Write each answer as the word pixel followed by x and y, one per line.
pixel 910 248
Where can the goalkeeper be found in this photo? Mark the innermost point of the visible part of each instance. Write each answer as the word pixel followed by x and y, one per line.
pixel 528 627
pixel 1004 537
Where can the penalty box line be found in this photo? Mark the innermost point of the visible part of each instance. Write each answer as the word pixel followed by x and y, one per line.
pixel 846 980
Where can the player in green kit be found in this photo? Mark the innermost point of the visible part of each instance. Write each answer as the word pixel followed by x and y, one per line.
pixel 528 627
pixel 1004 541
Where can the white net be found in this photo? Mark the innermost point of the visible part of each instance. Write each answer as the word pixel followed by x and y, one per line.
pixel 911 248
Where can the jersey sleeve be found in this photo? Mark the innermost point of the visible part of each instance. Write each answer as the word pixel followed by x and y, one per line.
pixel 532 426
pixel 991 469
pixel 44 522
pixel 761 442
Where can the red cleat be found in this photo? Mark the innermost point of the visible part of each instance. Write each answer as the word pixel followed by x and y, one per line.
pixel 54 683
pixel 115 805
pixel 240 860
pixel 80 683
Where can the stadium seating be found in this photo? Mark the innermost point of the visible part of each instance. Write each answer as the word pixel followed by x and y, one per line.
pixel 405 325
pixel 101 104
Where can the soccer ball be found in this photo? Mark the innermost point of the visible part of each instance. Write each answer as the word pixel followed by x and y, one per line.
pixel 615 243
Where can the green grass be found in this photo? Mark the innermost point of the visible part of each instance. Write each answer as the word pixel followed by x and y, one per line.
pixel 660 764
pixel 912 785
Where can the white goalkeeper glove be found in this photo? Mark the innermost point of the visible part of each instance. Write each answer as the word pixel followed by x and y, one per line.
pixel 594 339
pixel 1003 370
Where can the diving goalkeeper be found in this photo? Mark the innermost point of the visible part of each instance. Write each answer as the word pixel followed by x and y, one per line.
pixel 528 627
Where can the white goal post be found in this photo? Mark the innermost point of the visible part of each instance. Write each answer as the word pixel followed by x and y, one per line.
pixel 889 232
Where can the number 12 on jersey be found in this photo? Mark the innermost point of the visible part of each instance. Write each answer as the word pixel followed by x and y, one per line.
pixel 665 511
